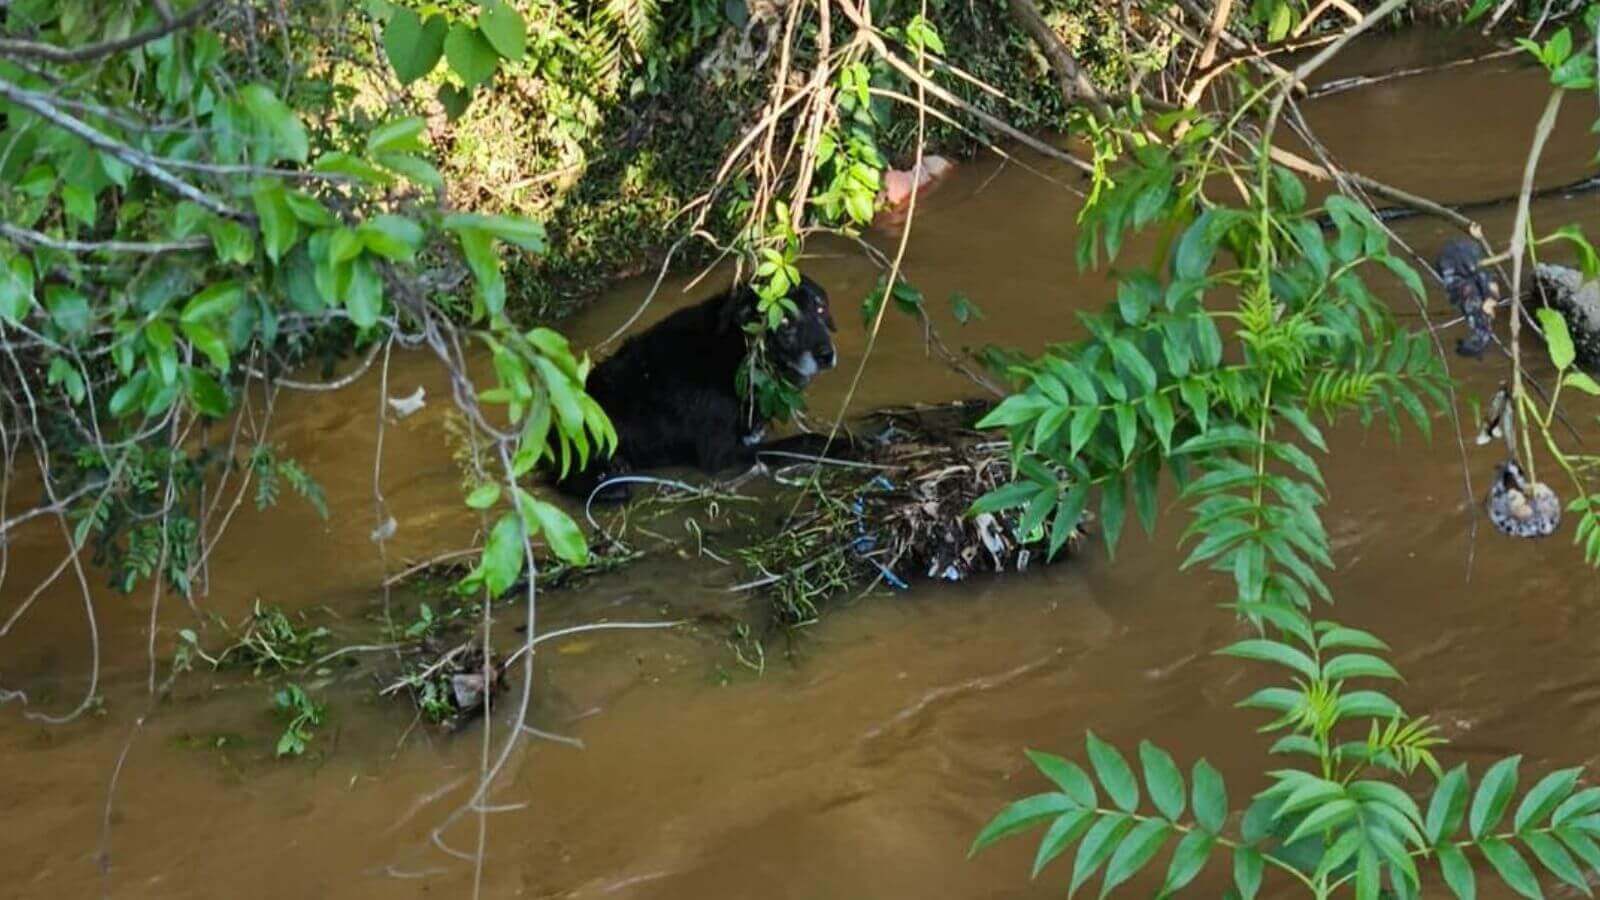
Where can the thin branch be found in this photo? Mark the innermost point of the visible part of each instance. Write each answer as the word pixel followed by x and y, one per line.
pixel 38 239
pixel 1339 85
pixel 44 107
pixel 1519 242
pixel 1219 25
pixel 11 48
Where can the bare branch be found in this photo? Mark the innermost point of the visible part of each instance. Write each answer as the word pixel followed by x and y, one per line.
pixel 17 49
pixel 45 107
pixel 37 239
pixel 1219 24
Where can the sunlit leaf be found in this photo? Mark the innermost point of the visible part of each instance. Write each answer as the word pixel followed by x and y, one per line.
pixel 1556 337
pixel 1114 774
pixel 1493 795
pixel 1513 870
pixel 1024 813
pixel 413 44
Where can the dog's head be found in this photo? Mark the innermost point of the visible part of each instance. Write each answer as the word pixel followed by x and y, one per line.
pixel 803 345
pixel 1459 260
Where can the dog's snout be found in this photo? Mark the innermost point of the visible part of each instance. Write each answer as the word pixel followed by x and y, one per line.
pixel 827 358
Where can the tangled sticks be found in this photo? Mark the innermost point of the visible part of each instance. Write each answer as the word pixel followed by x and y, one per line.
pixel 1473 292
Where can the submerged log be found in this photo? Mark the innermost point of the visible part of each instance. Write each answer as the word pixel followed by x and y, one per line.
pixel 1577 299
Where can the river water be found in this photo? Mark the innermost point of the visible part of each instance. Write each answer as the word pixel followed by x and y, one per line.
pixel 862 763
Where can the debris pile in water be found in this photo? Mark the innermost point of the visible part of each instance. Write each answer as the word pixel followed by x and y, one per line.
pixel 450 686
pixel 897 513
pixel 890 510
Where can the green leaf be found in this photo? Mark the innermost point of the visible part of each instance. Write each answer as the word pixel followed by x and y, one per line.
pixel 1574 379
pixel 1304 792
pixel 231 241
pixel 1146 479
pixel 455 100
pixel 1135 852
pixel 1582 845
pixel 1196 248
pixel 205 393
pixel 1247 864
pixel 69 310
pixel 412 44
pixel 130 395
pixel 1210 797
pixel 16 289
pixel 1358 665
pixel 207 341
pixel 340 163
pixel 1193 852
pixel 215 302
pixel 1061 834
pixel 1556 858
pixel 1274 698
pixel 1582 803
pixel 1289 189
pixel 525 233
pixel 412 168
pixel 470 54
pixel 504 29
pixel 1512 868
pixel 1097 847
pixel 1114 774
pixel 1162 417
pixel 963 309
pixel 1129 357
pixel 1069 512
pixel 1493 796
pixel 279 226
pixel 1395 799
pixel 1327 816
pixel 484 496
pixel 560 532
pixel 163 355
pixel 1545 796
pixel 1137 294
pixel 400 136
pixel 1275 652
pixel 1556 337
pixel 364 298
pixel 503 555
pixel 392 237
pixel 1367 703
pixel 79 203
pixel 1162 777
pixel 70 377
pixel 277 121
pixel 1004 497
pixel 1127 428
pixel 1339 636
pixel 1084 422
pixel 1023 814
pixel 1067 775
pixel 1457 872
pixel 1113 510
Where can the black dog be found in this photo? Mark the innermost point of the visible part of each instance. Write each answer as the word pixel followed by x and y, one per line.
pixel 1472 290
pixel 670 391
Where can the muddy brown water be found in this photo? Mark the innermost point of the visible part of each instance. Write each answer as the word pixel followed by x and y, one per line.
pixel 863 764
